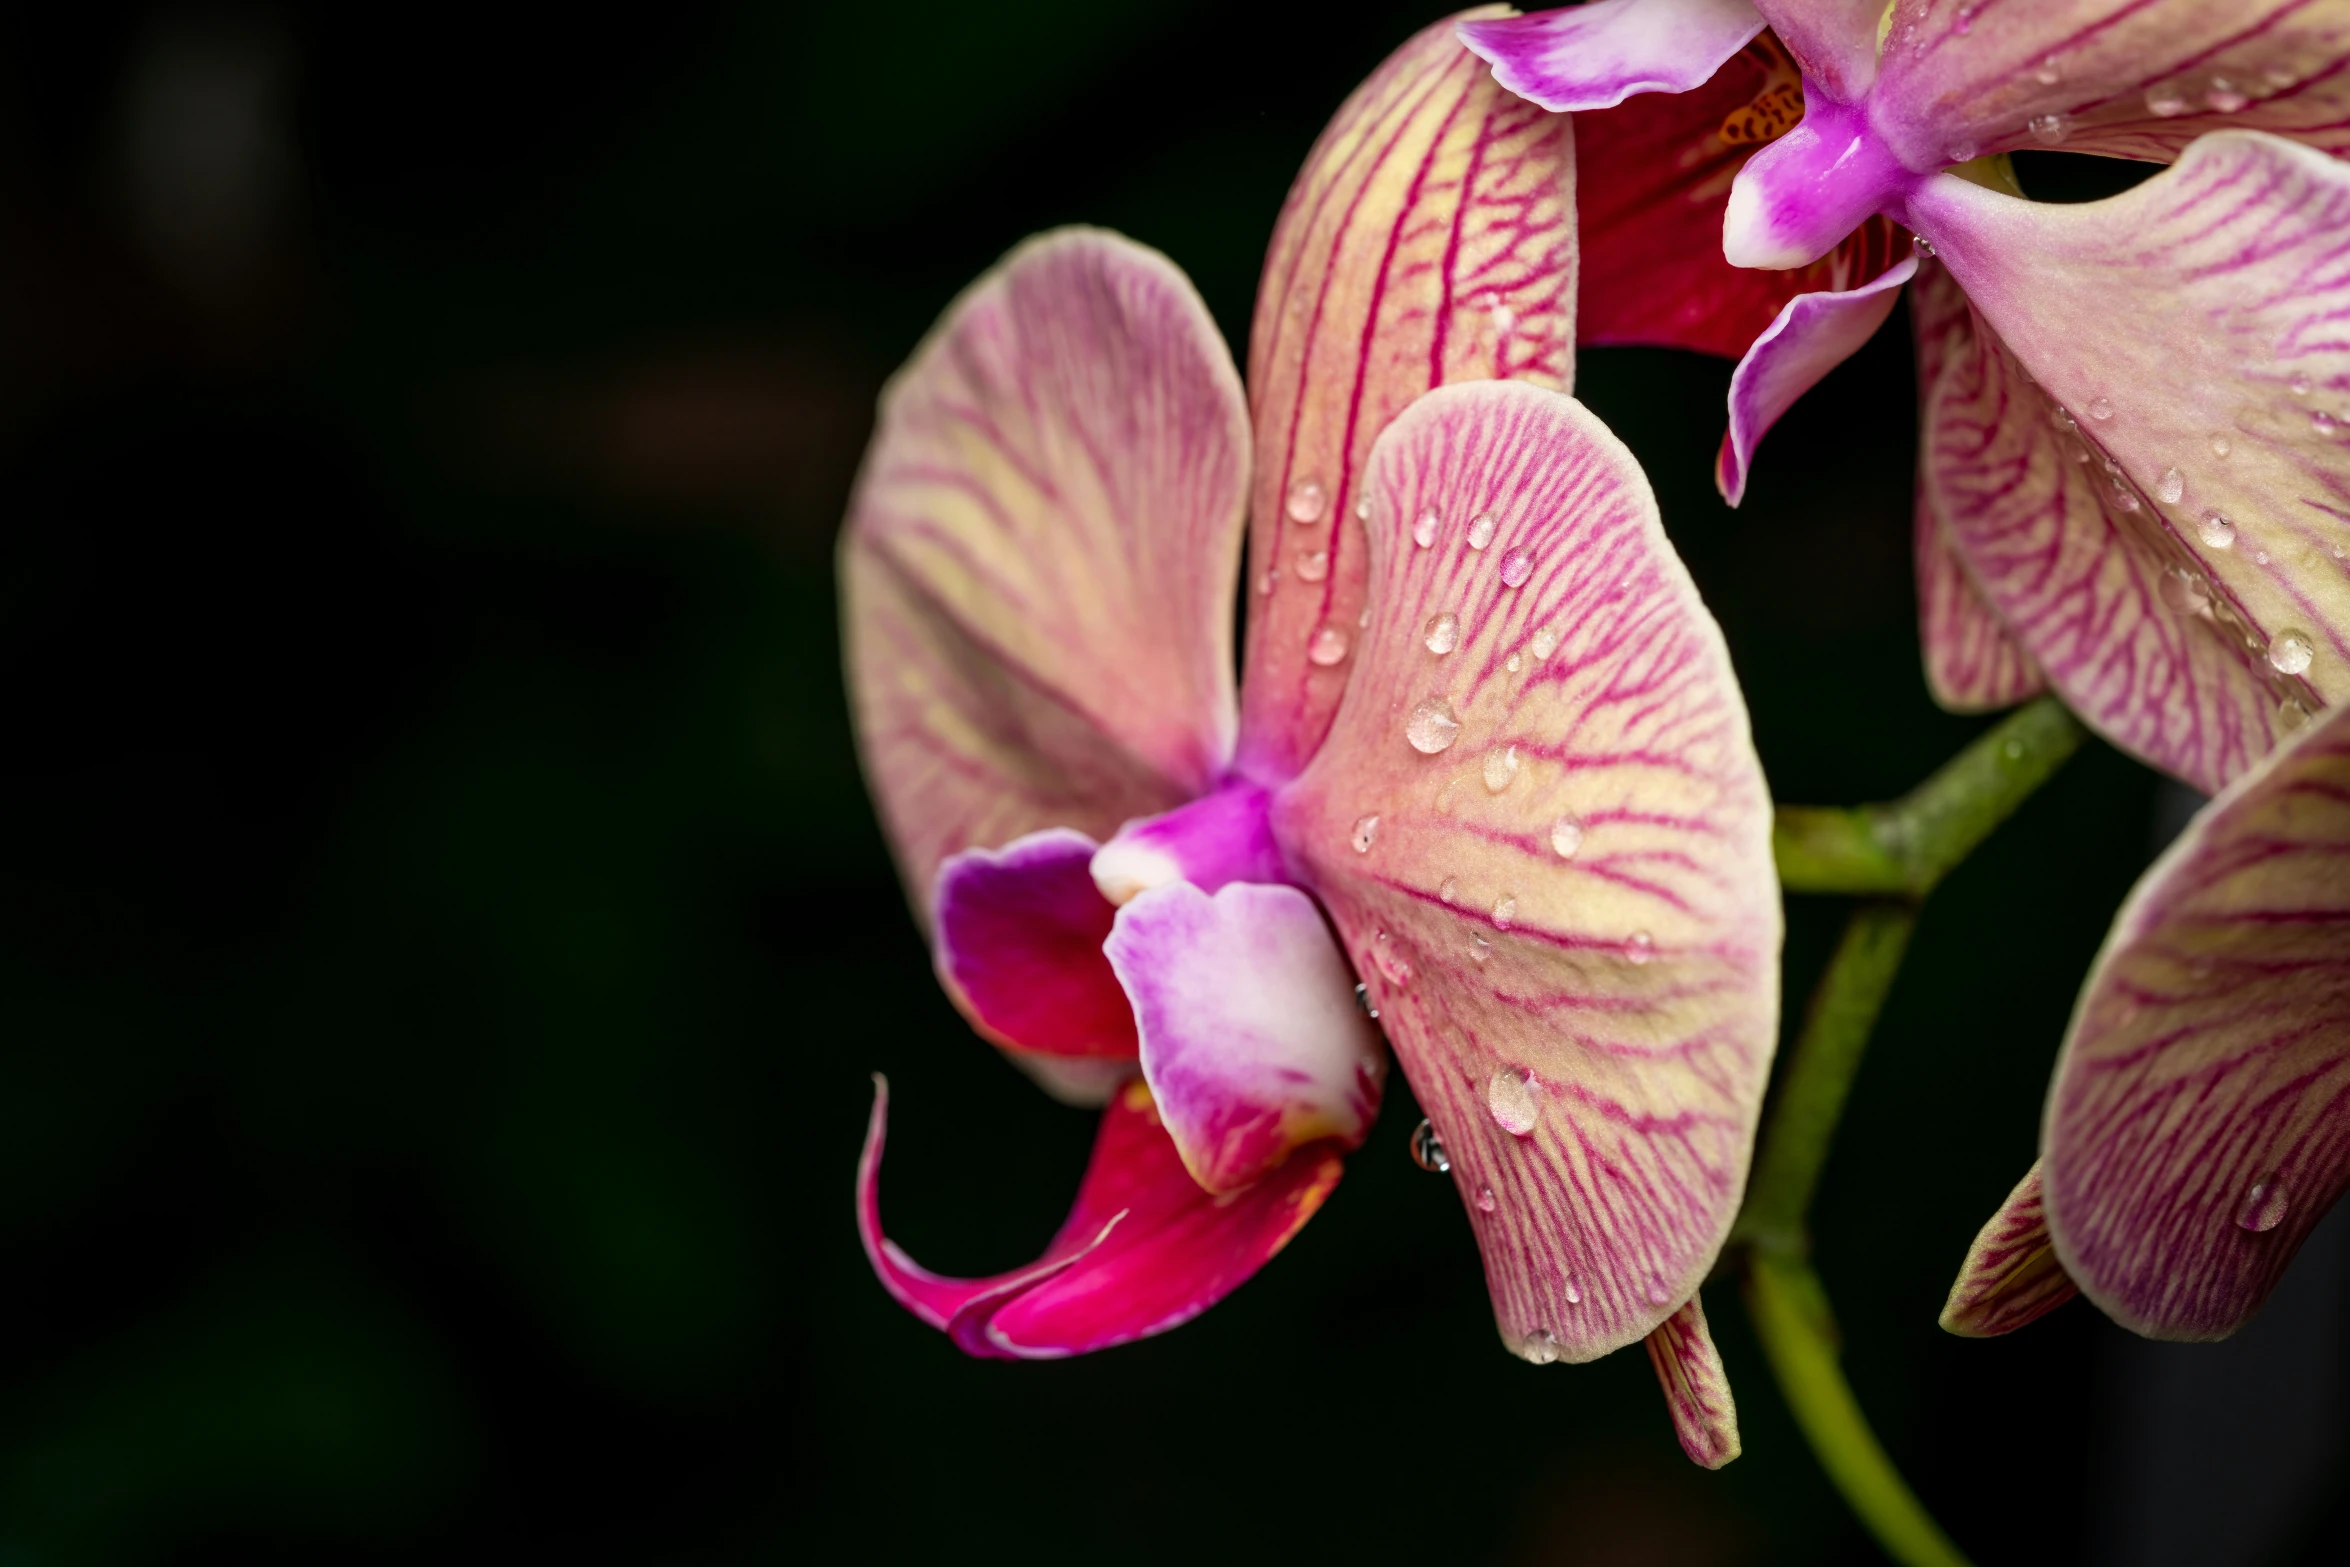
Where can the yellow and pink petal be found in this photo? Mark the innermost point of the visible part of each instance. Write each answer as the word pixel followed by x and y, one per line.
pixel 2011 1276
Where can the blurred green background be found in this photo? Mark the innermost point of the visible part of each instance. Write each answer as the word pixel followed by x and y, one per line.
pixel 446 937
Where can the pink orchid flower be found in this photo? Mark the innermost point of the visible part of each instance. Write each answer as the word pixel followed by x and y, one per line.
pixel 1488 768
pixel 2133 478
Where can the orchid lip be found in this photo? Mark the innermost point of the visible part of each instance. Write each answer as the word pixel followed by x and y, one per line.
pixel 1798 198
pixel 1223 836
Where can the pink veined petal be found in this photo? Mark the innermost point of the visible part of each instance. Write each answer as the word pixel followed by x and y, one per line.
pixel 1017 938
pixel 1835 41
pixel 1972 664
pixel 2198 1126
pixel 1595 56
pixel 1697 1388
pixel 1430 238
pixel 2011 1276
pixel 1037 568
pixel 1143 1249
pixel 2217 418
pixel 1567 915
pixel 1812 336
pixel 1251 1040
pixel 2122 78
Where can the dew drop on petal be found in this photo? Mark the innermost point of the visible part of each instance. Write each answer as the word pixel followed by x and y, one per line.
pixel 1639 947
pixel 2170 487
pixel 2264 1205
pixel 2048 75
pixel 2185 591
pixel 2216 531
pixel 1363 509
pixel 2322 422
pixel 2298 386
pixel 2051 128
pixel 1509 1094
pixel 1539 1347
pixel 1479 949
pixel 1566 836
pixel 1312 565
pixel 1481 530
pixel 2221 446
pixel 1658 1295
pixel 1513 663
pixel 1363 1001
pixel 1363 620
pixel 1328 646
pixel 1505 911
pixel 2166 100
pixel 1306 500
pixel 1574 1293
pixel 1960 152
pixel 1442 633
pixel 1365 834
pixel 2224 97
pixel 2280 75
pixel 2290 652
pixel 1925 248
pixel 1500 767
pixel 1517 564
pixel 1484 1199
pixel 1432 728
pixel 1428 1149
pixel 1450 889
pixel 1265 582
pixel 2291 715
pixel 2260 557
pixel 2101 409
pixel 2124 500
pixel 1546 642
pixel 1424 531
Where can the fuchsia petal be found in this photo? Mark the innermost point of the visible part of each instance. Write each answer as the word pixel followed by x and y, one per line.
pixel 1813 335
pixel 1017 937
pixel 1541 828
pixel 1972 664
pixel 2214 426
pixel 1595 56
pixel 1037 569
pixel 1219 837
pixel 2011 1276
pixel 1251 1040
pixel 1835 41
pixel 1429 239
pixel 1697 1389
pixel 1143 1249
pixel 2199 1123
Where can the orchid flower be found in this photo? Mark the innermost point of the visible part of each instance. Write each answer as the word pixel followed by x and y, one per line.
pixel 1488 770
pixel 2133 479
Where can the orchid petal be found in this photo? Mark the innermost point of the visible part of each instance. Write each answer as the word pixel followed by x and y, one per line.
pixel 2218 413
pixel 1595 56
pixel 2198 1126
pixel 1039 557
pixel 1697 1389
pixel 2011 1276
pixel 1812 336
pixel 1217 838
pixel 1251 1040
pixel 1143 1249
pixel 1541 828
pixel 1017 937
pixel 1430 238
pixel 1835 41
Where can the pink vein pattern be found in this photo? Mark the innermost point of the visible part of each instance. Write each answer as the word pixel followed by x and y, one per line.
pixel 1567 916
pixel 2011 1275
pixel 1039 557
pixel 1697 1389
pixel 2199 1123
pixel 1429 239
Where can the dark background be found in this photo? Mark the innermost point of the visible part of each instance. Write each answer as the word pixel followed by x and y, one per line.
pixel 444 937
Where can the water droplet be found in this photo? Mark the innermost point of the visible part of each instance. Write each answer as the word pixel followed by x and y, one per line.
pixel 2291 715
pixel 1265 582
pixel 1424 531
pixel 1484 1199
pixel 2124 500
pixel 1639 947
pixel 2290 652
pixel 2185 591
pixel 2221 446
pixel 2166 101
pixel 1442 633
pixel 1545 643
pixel 1574 1293
pixel 1365 834
pixel 1925 248
pixel 2051 128
pixel 1312 565
pixel 1306 500
pixel 1363 620
pixel 2264 1205
pixel 2280 75
pixel 2260 557
pixel 2048 75
pixel 1432 728
pixel 1960 152
pixel 1517 564
pixel 2170 487
pixel 1539 1347
pixel 1500 767
pixel 1450 889
pixel 1481 530
pixel 2322 422
pixel 2224 97
pixel 2101 409
pixel 1509 1094
pixel 2058 418
pixel 1505 911
pixel 1363 1001
pixel 2216 531
pixel 1479 949
pixel 1566 836
pixel 1328 646
pixel 1428 1149
pixel 2298 386
pixel 1966 20
pixel 1513 663
pixel 1363 509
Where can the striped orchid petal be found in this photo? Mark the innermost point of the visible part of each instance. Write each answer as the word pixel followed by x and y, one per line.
pixel 1595 56
pixel 2186 581
pixel 1429 239
pixel 1697 1389
pixel 1039 557
pixel 1144 1248
pixel 2011 1276
pixel 2198 1126
pixel 1813 334
pixel 1541 829
pixel 1835 41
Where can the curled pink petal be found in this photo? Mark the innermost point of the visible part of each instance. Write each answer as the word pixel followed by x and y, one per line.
pixel 1835 41
pixel 1430 238
pixel 1220 837
pixel 1037 569
pixel 2199 1123
pixel 1017 936
pixel 1251 1040
pixel 1696 1387
pixel 2011 1276
pixel 1144 1249
pixel 1595 56
pixel 1568 917
pixel 1812 336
